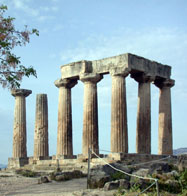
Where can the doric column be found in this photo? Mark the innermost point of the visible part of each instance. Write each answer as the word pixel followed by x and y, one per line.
pixel 143 129
pixel 19 134
pixel 119 129
pixel 64 135
pixel 41 148
pixel 90 113
pixel 165 144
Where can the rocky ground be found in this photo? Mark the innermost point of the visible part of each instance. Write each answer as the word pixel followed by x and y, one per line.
pixel 104 180
pixel 12 184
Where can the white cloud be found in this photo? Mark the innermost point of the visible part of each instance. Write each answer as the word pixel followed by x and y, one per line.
pixel 49 9
pixel 38 13
pixel 23 5
pixel 43 18
pixel 165 45
pixel 58 27
pixel 153 43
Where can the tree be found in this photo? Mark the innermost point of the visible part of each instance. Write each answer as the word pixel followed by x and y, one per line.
pixel 11 69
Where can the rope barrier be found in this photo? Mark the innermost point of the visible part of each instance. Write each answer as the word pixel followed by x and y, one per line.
pixel 132 175
pixel 146 188
pixel 151 161
pixel 141 163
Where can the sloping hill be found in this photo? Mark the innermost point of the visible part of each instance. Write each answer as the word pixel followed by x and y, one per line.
pixel 180 151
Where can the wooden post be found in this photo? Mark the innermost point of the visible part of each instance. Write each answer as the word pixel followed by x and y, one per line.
pixel 88 176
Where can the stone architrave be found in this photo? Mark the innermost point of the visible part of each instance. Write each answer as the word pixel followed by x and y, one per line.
pixel 64 135
pixel 165 143
pixel 19 133
pixel 41 148
pixel 119 129
pixel 90 113
pixel 143 129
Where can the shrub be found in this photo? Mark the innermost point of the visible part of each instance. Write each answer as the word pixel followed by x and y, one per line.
pixel 26 173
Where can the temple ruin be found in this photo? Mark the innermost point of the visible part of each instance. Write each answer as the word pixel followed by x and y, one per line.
pixel 143 71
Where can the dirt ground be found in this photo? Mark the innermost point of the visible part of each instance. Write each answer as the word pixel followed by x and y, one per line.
pixel 14 185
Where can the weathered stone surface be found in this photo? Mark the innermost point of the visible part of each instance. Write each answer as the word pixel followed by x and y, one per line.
pixel 20 92
pixel 159 168
pixel 104 173
pixel 64 176
pixel 124 184
pixel 132 62
pixel 111 185
pixel 182 162
pixel 19 132
pixel 119 130
pixel 142 70
pixel 43 179
pixel 107 170
pixel 41 148
pixel 98 181
pixel 90 113
pixel 143 129
pixel 141 172
pixel 64 136
pixel 165 143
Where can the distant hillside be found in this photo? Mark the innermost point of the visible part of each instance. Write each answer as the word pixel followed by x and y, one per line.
pixel 180 151
pixel 3 166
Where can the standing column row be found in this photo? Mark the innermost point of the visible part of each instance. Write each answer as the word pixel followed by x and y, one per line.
pixel 41 147
pixel 64 135
pixel 143 128
pixel 19 132
pixel 165 143
pixel 119 133
pixel 119 130
pixel 90 113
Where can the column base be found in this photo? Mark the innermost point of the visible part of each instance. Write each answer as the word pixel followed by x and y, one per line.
pixel 41 158
pixel 85 157
pixel 66 157
pixel 17 162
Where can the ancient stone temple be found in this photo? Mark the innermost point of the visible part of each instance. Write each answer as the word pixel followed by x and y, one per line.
pixel 145 73
pixel 90 73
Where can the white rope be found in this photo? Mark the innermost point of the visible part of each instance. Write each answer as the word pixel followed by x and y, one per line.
pixel 151 161
pixel 146 188
pixel 104 150
pixel 141 177
pixel 144 162
pixel 132 175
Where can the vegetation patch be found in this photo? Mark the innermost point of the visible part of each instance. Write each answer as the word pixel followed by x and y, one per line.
pixel 27 173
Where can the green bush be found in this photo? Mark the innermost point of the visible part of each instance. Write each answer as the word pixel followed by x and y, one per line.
pixel 26 173
pixel 183 182
pixel 118 175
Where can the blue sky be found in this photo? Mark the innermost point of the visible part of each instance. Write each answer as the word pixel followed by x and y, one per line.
pixel 74 30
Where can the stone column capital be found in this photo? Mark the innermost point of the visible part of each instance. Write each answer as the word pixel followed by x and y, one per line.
pixel 164 83
pixel 142 77
pixel 20 92
pixel 68 83
pixel 119 71
pixel 90 77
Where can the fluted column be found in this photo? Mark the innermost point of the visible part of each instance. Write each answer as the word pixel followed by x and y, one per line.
pixel 165 143
pixel 41 148
pixel 64 135
pixel 119 129
pixel 90 113
pixel 143 129
pixel 19 133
